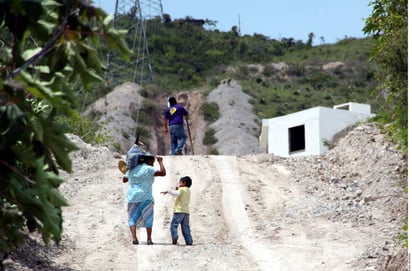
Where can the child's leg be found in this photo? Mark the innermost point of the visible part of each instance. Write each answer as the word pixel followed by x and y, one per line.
pixel 186 230
pixel 176 220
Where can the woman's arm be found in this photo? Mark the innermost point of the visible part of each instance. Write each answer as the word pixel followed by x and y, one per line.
pixel 162 170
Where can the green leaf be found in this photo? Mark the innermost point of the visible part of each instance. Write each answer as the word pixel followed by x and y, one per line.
pixel 59 144
pixel 41 89
pixel 13 123
pixel 24 155
pixel 115 38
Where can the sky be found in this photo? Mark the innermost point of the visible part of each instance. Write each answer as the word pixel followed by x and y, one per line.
pixel 329 20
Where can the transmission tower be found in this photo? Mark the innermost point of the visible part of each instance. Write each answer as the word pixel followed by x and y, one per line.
pixel 133 15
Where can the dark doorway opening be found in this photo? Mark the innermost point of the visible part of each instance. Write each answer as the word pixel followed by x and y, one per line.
pixel 297 138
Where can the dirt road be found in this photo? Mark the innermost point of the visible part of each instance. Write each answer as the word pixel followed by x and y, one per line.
pixel 246 214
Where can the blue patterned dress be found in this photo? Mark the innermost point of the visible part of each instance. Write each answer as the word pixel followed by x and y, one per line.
pixel 139 197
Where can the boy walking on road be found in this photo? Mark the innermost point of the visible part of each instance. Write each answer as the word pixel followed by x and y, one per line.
pixel 181 210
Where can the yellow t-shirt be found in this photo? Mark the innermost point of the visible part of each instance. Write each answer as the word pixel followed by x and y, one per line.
pixel 182 201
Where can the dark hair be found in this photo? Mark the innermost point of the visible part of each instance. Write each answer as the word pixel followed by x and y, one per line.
pixel 187 180
pixel 146 158
pixel 172 100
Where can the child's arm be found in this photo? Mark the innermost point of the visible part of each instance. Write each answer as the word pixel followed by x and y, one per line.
pixel 171 192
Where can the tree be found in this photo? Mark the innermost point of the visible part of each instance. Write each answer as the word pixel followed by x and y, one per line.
pixel 322 39
pixel 309 43
pixel 46 47
pixel 388 25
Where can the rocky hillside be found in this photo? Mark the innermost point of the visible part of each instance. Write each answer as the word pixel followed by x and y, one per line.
pixel 117 113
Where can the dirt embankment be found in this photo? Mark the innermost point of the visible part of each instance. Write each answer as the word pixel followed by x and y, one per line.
pixel 123 109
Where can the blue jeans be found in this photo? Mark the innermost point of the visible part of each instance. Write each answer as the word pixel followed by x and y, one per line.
pixel 177 138
pixel 183 220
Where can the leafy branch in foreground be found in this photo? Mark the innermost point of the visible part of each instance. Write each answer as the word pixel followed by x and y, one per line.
pixel 46 46
pixel 388 25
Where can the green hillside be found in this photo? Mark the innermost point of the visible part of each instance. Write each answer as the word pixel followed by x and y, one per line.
pixel 184 55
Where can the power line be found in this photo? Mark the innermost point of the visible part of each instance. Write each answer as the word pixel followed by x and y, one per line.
pixel 133 15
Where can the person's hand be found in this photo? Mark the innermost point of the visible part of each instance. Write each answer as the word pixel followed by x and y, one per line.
pixel 166 131
pixel 163 192
pixel 159 159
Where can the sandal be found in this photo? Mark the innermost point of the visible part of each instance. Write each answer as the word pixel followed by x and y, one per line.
pixel 149 242
pixel 135 242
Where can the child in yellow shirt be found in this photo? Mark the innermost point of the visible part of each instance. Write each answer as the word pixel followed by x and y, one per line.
pixel 181 210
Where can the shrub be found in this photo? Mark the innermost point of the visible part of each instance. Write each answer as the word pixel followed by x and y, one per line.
pixel 209 138
pixel 269 70
pixel 210 111
pixel 214 152
pixel 84 127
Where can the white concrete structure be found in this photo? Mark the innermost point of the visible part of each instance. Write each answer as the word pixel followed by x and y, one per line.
pixel 304 133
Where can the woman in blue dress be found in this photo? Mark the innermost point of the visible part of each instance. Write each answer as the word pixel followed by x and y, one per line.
pixel 139 198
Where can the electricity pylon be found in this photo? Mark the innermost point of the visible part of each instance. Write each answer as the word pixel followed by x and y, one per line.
pixel 133 15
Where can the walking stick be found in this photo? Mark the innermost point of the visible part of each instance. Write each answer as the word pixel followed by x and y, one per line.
pixel 190 137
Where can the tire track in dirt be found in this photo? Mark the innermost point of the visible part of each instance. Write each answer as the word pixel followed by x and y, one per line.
pixel 246 214
pixel 236 215
pixel 213 247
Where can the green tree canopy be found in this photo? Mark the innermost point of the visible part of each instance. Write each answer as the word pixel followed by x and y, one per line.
pixel 388 25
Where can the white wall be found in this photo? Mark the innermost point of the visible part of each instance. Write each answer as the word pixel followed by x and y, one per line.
pixel 355 107
pixel 321 123
pixel 278 132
